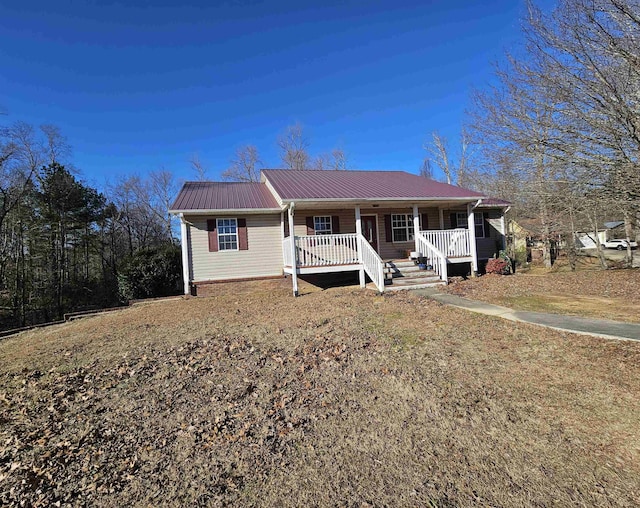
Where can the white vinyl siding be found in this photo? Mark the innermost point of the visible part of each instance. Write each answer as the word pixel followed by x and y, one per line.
pixel 262 259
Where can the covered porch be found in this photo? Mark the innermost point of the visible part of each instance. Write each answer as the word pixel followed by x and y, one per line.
pixel 366 237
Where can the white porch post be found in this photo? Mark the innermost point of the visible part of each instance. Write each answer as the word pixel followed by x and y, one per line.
pixel 284 257
pixel 416 228
pixel 441 217
pixel 294 257
pixel 504 231
pixel 184 243
pixel 360 246
pixel 471 225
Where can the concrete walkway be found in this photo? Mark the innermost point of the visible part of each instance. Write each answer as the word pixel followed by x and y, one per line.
pixel 596 327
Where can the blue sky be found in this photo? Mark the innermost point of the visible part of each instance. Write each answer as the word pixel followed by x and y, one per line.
pixel 140 84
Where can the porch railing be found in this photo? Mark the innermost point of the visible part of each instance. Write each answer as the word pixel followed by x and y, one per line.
pixel 327 250
pixel 432 256
pixel 372 263
pixel 450 242
pixel 286 251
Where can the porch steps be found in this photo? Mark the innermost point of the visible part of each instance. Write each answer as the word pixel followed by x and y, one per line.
pixel 403 274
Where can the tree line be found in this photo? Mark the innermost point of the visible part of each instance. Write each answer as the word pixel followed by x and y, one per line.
pixel 65 246
pixel 559 132
pixel 294 150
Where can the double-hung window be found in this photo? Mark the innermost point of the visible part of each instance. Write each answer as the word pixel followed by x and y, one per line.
pixel 462 221
pixel 480 225
pixel 227 234
pixel 322 225
pixel 402 227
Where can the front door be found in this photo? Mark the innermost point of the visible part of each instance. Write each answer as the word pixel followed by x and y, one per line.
pixel 370 230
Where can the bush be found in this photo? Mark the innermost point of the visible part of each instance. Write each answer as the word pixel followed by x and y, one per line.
pixel 151 272
pixel 498 265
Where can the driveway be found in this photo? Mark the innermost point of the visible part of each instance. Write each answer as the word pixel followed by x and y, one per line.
pixel 615 255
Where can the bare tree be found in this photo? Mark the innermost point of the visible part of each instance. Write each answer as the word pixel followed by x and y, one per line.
pixel 425 168
pixel 565 115
pixel 439 153
pixel 294 147
pixel 245 166
pixel 56 146
pixel 22 153
pixel 339 159
pixel 336 160
pixel 198 167
pixel 162 188
pixel 589 51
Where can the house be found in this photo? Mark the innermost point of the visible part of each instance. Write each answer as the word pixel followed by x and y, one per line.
pixel 606 232
pixel 313 222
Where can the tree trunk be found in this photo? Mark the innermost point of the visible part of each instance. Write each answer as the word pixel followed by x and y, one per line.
pixel 628 231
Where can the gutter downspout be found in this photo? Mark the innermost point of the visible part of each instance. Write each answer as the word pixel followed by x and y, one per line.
pixel 294 257
pixel 184 244
pixel 471 225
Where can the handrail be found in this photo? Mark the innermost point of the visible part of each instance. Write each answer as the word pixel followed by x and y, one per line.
pixel 432 256
pixel 371 262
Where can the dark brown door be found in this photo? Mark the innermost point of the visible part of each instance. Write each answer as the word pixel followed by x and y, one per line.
pixel 370 231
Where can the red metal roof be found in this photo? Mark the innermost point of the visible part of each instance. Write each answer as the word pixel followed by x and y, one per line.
pixel 224 196
pixel 294 185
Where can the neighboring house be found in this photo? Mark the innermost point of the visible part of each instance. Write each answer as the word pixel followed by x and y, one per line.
pixel 587 240
pixel 608 231
pixel 341 221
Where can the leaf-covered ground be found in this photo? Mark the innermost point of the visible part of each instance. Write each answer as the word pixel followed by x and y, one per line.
pixel 339 397
pixel 606 294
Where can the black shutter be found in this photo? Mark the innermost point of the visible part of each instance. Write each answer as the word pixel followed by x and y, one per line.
pixel 311 229
pixel 243 240
pixel 213 235
pixel 424 219
pixel 454 220
pixel 388 232
pixel 335 224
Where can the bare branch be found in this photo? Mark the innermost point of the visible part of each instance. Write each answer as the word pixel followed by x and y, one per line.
pixel 245 166
pixel 294 147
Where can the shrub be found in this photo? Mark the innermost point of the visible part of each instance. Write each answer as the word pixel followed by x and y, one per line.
pixel 151 272
pixel 498 265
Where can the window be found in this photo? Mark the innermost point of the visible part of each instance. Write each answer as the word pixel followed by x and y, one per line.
pixel 462 221
pixel 479 223
pixel 402 227
pixel 322 225
pixel 227 234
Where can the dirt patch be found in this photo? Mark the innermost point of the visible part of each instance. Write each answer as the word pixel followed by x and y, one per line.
pixel 339 397
pixel 606 294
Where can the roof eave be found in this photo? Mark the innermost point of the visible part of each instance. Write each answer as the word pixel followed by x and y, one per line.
pixel 209 211
pixel 373 200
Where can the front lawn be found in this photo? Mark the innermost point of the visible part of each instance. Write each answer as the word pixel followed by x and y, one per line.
pixel 339 397
pixel 606 294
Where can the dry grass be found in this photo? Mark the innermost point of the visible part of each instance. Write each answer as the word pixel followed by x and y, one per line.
pixel 606 294
pixel 339 397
